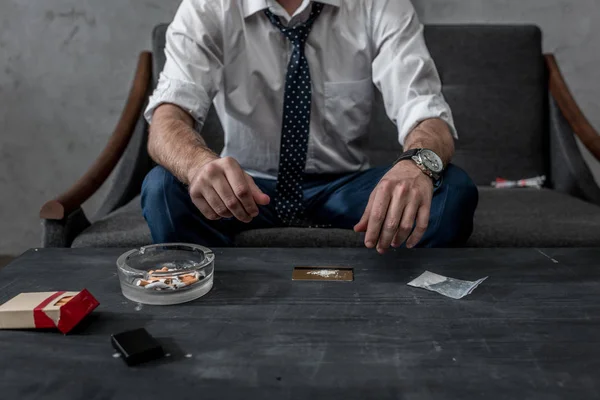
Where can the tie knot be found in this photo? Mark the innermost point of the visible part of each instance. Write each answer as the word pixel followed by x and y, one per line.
pixel 298 34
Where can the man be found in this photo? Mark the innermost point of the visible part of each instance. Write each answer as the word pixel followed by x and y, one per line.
pixel 292 83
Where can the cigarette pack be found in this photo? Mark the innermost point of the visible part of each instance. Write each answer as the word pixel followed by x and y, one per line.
pixel 61 310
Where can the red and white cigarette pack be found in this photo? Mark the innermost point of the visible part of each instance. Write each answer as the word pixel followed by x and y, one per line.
pixel 61 310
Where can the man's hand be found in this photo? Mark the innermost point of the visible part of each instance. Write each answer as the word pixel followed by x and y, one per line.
pixel 402 197
pixel 221 189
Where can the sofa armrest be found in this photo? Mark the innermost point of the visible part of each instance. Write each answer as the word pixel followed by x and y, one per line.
pixel 130 173
pixel 569 108
pixel 569 172
pixel 68 202
pixel 61 233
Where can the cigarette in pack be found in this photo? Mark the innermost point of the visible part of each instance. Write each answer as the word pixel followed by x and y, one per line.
pixel 60 310
pixel 536 182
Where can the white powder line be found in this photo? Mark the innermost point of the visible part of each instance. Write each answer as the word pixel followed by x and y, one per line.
pixel 324 273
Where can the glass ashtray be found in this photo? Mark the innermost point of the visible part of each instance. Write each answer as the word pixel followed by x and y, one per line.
pixel 164 274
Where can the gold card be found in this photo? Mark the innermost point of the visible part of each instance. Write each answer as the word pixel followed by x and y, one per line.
pixel 345 274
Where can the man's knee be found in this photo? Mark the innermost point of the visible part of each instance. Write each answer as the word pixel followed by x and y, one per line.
pixel 463 190
pixel 461 200
pixel 154 186
pixel 158 188
pixel 346 205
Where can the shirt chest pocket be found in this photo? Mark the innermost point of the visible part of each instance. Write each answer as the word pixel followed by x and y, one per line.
pixel 348 108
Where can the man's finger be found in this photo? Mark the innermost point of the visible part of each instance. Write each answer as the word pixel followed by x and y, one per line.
pixel 407 222
pixel 210 205
pixel 206 210
pixel 230 200
pixel 239 184
pixel 377 215
pixel 421 227
pixel 259 197
pixel 392 222
pixel 361 226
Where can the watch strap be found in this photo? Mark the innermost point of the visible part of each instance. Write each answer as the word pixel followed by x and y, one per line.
pixel 407 155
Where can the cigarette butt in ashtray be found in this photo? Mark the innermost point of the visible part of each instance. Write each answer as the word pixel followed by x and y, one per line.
pixel 189 279
pixel 157 285
pixel 157 280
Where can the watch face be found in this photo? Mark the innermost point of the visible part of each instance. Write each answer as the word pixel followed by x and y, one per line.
pixel 431 161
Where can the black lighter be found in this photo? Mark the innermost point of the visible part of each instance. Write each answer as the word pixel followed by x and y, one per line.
pixel 137 346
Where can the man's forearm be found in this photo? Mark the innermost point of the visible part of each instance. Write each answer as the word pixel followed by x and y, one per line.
pixel 433 134
pixel 174 144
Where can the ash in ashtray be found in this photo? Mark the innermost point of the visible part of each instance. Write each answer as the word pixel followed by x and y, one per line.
pixel 162 280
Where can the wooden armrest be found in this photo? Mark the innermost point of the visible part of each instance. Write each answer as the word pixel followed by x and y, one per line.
pixel 573 114
pixel 97 174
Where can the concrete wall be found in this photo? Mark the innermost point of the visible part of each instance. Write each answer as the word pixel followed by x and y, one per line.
pixel 65 67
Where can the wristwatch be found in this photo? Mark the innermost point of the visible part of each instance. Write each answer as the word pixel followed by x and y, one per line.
pixel 429 162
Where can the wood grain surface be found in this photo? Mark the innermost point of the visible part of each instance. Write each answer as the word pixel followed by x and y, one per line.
pixel 531 331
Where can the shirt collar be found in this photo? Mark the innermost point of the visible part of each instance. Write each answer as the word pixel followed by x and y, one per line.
pixel 253 6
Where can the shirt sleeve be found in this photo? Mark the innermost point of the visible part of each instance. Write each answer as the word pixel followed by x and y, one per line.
pixel 194 60
pixel 403 69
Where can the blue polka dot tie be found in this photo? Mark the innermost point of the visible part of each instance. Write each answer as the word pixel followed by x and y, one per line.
pixel 296 122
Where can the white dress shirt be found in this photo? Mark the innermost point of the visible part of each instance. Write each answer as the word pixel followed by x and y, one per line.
pixel 229 53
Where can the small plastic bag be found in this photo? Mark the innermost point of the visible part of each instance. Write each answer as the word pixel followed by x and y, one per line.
pixel 449 287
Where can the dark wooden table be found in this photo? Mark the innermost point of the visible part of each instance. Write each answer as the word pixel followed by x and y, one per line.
pixel 531 331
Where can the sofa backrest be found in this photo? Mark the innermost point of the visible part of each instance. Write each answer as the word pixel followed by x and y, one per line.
pixel 495 82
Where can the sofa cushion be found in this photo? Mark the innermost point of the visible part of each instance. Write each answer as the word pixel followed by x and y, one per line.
pixel 534 218
pixel 504 218
pixel 124 227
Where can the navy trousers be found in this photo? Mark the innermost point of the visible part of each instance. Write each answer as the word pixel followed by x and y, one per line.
pixel 334 200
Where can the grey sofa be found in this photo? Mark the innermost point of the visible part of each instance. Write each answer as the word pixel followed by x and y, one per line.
pixel 515 117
